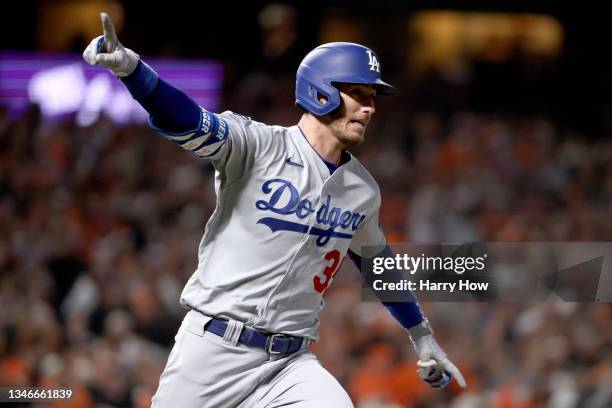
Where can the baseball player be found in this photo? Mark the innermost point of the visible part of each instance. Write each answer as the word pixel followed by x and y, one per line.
pixel 291 203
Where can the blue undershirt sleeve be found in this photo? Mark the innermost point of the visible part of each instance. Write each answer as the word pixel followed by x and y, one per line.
pixel 174 115
pixel 169 108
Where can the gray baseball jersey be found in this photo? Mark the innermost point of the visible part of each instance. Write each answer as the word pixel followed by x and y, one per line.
pixel 281 227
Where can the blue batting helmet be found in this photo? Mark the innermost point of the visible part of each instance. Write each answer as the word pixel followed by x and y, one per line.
pixel 337 62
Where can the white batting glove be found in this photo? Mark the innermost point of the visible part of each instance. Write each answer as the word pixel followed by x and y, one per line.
pixel 107 51
pixel 434 366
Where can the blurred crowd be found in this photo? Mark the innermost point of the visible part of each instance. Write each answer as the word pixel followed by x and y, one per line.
pixel 99 228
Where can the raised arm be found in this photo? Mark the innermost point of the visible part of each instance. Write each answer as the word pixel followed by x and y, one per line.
pixel 172 112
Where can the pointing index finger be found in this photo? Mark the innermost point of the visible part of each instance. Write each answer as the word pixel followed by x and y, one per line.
pixel 454 371
pixel 109 29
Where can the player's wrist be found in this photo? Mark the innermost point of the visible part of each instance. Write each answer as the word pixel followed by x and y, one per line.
pixel 129 63
pixel 420 330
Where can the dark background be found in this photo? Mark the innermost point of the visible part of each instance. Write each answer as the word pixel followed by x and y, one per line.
pixel 574 89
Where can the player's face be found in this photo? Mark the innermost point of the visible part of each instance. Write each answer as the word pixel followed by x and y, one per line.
pixel 349 122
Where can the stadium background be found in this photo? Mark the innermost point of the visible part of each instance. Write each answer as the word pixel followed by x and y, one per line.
pixel 501 132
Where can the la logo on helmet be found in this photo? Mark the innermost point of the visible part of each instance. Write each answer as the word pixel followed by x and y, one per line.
pixel 374 64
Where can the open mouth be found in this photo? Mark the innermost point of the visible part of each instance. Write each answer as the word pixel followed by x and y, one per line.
pixel 357 124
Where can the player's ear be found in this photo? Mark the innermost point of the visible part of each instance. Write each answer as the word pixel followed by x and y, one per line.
pixel 322 98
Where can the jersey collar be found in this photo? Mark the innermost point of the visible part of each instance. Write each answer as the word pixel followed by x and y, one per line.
pixel 345 156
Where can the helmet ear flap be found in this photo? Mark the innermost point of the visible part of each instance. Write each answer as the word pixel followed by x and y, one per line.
pixel 309 95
